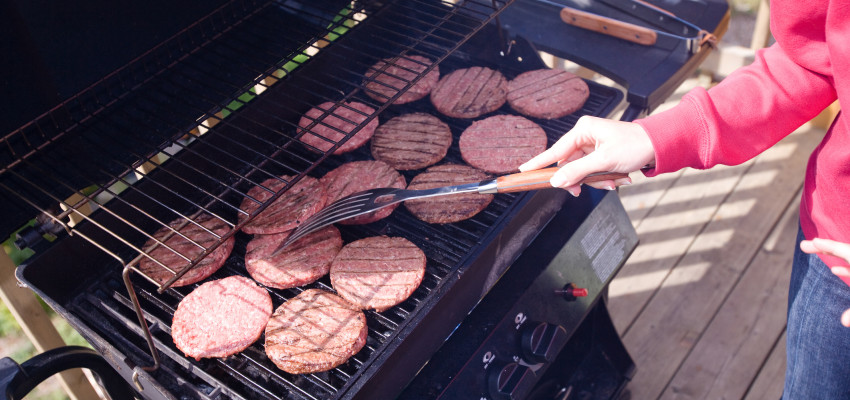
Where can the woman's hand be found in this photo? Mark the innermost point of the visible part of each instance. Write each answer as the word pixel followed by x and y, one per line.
pixel 832 248
pixel 595 145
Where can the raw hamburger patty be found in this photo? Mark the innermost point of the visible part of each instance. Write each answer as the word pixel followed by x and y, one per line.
pixel 398 72
pixel 547 93
pixel 185 247
pixel 221 317
pixel 411 141
pixel 500 144
pixel 470 92
pixel 336 125
pixel 452 208
pixel 314 331
pixel 301 201
pixel 378 272
pixel 357 176
pixel 300 263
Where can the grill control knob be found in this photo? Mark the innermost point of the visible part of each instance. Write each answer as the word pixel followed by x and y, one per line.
pixel 510 381
pixel 542 341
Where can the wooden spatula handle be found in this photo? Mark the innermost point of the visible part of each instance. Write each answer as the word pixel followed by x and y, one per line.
pixel 539 179
pixel 609 26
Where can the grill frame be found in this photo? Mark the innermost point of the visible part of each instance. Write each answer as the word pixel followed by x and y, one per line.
pixel 445 304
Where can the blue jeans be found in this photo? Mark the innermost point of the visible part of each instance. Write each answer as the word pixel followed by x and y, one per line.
pixel 818 346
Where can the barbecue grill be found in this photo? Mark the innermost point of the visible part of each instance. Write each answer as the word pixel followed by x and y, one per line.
pixel 211 109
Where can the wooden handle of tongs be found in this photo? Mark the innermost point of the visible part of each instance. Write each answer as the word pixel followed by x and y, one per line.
pixel 609 26
pixel 539 179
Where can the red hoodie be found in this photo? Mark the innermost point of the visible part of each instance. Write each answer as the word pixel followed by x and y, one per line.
pixel 788 84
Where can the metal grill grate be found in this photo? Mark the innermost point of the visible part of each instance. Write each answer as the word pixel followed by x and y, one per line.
pixel 186 97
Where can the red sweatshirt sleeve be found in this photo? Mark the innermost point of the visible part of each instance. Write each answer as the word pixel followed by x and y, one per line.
pixel 746 113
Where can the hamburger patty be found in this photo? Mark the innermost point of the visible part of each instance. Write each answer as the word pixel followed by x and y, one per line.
pixel 411 141
pixel 378 272
pixel 301 201
pixel 357 176
pixel 547 93
pixel 470 92
pixel 333 127
pixel 397 73
pixel 314 331
pixel 500 144
pixel 191 241
pixel 300 263
pixel 451 208
pixel 221 317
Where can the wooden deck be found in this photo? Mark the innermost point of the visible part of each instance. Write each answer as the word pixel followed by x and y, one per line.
pixel 701 303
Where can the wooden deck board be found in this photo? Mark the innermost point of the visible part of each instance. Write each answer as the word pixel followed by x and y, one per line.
pixel 680 301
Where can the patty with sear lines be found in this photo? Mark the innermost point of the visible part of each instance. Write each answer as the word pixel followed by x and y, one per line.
pixel 547 93
pixel 299 202
pixel 501 143
pixel 192 239
pixel 314 331
pixel 357 176
pixel 411 141
pixel 221 317
pixel 388 76
pixel 450 208
pixel 302 262
pixel 470 92
pixel 329 128
pixel 378 272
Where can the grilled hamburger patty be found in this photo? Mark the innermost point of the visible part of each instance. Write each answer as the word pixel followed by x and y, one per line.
pixel 451 208
pixel 333 127
pixel 301 201
pixel 500 144
pixel 221 317
pixel 191 241
pixel 302 262
pixel 547 93
pixel 470 92
pixel 411 141
pixel 378 272
pixel 357 176
pixel 314 331
pixel 388 76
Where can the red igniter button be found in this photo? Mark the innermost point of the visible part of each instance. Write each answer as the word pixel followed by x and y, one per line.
pixel 571 292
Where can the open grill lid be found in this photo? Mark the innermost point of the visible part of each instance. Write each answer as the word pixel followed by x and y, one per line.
pixel 187 95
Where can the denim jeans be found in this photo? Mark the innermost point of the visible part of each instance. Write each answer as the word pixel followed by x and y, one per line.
pixel 818 346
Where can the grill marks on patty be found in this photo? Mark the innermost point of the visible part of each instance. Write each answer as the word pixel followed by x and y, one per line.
pixel 412 141
pixel 547 93
pixel 357 176
pixel 397 73
pixel 332 127
pixel 500 144
pixel 187 243
pixel 470 92
pixel 300 263
pixel 301 201
pixel 378 272
pixel 451 208
pixel 221 317
pixel 314 331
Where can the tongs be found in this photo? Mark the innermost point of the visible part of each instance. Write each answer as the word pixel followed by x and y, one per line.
pixel 693 36
pixel 374 199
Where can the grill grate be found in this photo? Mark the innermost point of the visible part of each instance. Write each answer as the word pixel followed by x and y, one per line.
pixel 187 97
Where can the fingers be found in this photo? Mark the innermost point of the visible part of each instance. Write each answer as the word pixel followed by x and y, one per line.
pixel 566 149
pixel 826 246
pixel 845 318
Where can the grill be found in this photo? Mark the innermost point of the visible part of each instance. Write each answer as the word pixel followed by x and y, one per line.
pixel 189 126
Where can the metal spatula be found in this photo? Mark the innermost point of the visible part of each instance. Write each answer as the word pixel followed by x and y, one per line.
pixel 370 200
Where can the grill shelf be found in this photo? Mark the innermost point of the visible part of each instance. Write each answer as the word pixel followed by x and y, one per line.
pixel 259 133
